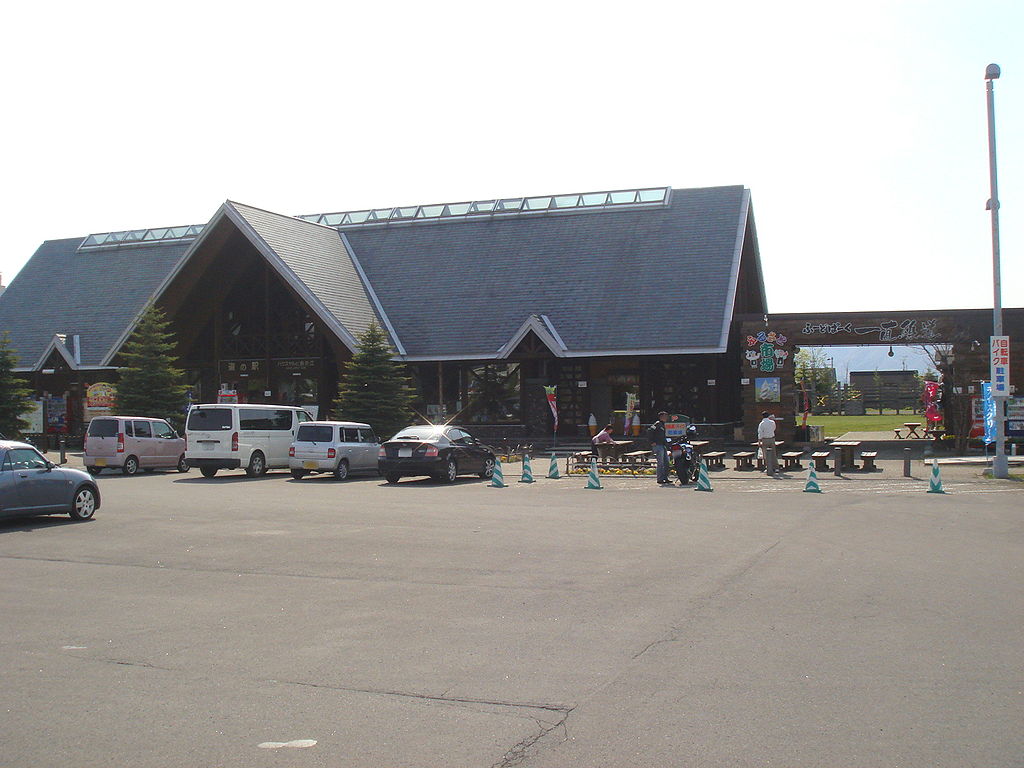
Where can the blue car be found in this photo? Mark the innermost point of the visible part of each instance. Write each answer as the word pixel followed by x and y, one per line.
pixel 32 485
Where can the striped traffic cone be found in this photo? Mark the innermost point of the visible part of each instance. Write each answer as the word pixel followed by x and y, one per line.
pixel 593 479
pixel 497 480
pixel 812 482
pixel 553 468
pixel 527 471
pixel 935 483
pixel 703 481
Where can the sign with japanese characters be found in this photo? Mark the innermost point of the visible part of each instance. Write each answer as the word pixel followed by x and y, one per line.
pixel 1000 357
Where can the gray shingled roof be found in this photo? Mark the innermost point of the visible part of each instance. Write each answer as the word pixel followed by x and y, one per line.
pixel 94 293
pixel 643 279
pixel 315 255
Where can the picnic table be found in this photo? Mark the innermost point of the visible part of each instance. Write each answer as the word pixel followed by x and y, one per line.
pixel 911 427
pixel 846 449
pixel 612 450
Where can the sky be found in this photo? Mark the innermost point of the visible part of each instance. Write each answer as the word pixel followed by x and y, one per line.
pixel 860 129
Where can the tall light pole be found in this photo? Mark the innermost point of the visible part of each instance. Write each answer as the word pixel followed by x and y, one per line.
pixel 1000 466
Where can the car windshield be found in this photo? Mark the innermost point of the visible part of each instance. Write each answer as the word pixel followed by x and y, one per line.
pixel 309 433
pixel 103 428
pixel 209 418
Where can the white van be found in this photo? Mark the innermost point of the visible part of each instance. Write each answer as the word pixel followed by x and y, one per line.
pixel 230 436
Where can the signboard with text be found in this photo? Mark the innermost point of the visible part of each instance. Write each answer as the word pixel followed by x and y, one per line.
pixel 999 347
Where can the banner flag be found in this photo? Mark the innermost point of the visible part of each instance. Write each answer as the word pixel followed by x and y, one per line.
pixel 988 405
pixel 550 391
pixel 631 398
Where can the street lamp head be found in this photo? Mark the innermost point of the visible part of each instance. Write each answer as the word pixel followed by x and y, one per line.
pixel 992 72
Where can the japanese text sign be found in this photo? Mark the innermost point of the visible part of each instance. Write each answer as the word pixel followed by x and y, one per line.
pixel 1000 357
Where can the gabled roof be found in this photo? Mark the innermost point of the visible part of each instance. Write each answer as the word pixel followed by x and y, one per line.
pixel 93 294
pixel 658 280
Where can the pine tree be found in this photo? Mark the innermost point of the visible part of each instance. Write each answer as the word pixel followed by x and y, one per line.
pixel 14 395
pixel 150 385
pixel 374 389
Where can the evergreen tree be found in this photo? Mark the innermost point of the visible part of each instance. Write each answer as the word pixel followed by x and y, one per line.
pixel 150 385
pixel 14 395
pixel 374 389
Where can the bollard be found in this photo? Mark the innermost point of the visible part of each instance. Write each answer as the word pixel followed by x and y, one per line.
pixel 906 462
pixel 62 443
pixel 837 455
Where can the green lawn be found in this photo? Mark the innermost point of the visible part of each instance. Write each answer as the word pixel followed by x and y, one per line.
pixel 838 425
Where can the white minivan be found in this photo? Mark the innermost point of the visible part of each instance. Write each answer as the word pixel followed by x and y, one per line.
pixel 233 436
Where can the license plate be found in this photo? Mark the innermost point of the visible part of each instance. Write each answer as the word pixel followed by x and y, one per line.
pixel 101 462
pixel 309 465
pixel 208 446
pixel 405 453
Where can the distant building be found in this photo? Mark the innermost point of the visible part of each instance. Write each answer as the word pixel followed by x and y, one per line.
pixel 888 389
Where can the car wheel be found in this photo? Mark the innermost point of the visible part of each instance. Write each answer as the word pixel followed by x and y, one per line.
pixel 182 464
pixel 84 505
pixel 451 471
pixel 341 471
pixel 257 465
pixel 93 470
pixel 298 474
pixel 488 468
pixel 392 478
pixel 131 466
pixel 208 471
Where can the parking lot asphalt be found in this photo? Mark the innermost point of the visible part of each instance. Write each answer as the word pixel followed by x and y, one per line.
pixel 237 622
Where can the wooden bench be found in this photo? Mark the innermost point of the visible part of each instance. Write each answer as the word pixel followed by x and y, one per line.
pixel 744 460
pixel 715 459
pixel 642 458
pixel 791 460
pixel 821 460
pixel 899 433
pixel 868 457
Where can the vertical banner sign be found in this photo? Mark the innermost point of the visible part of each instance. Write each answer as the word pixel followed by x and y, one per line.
pixel 630 410
pixel 989 409
pixel 1000 348
pixel 550 392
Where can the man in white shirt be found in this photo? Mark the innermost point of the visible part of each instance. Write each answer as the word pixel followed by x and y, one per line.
pixel 766 436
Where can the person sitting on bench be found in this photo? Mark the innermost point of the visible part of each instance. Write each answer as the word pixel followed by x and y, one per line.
pixel 600 441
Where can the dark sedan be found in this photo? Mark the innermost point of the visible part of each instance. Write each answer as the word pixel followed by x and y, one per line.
pixel 32 485
pixel 441 452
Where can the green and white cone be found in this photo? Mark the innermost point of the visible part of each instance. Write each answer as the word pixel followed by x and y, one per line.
pixel 703 481
pixel 497 480
pixel 593 479
pixel 812 482
pixel 935 484
pixel 553 469
pixel 527 471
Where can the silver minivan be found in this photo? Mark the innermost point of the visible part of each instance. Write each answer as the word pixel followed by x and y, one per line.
pixel 131 443
pixel 336 447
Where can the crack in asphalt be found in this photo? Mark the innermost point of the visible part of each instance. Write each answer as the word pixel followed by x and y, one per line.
pixel 518 752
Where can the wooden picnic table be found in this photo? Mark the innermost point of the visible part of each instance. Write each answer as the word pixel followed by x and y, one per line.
pixel 612 450
pixel 846 449
pixel 912 429
pixel 699 446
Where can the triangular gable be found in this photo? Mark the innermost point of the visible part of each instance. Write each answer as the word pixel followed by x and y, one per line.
pixel 57 346
pixel 541 327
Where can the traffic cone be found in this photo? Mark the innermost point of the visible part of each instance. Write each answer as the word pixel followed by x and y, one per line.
pixel 593 480
pixel 527 472
pixel 935 484
pixel 553 468
pixel 703 481
pixel 497 481
pixel 812 482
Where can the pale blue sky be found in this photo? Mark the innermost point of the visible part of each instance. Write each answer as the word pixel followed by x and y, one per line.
pixel 860 129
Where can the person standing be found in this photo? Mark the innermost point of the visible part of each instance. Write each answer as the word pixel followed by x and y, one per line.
pixel 659 444
pixel 766 437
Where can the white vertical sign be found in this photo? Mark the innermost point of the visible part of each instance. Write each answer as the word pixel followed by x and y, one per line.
pixel 999 347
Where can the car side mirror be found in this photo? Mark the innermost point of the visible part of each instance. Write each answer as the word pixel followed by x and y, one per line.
pixel 50 466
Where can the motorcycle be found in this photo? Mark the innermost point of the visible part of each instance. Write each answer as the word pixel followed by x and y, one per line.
pixel 684 457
